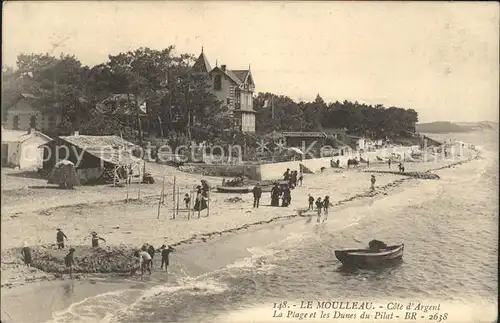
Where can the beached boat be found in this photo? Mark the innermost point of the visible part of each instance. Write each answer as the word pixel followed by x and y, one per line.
pixel 234 189
pixel 369 257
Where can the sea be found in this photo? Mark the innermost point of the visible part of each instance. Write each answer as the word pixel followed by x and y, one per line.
pixel 286 271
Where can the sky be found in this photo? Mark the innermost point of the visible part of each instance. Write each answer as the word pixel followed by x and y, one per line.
pixel 439 58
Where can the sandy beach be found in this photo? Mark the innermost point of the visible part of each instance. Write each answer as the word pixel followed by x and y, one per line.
pixel 31 211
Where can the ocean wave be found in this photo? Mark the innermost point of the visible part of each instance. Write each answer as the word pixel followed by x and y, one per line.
pixel 92 309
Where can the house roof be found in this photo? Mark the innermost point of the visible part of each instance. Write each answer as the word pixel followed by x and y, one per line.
pixel 111 149
pixel 202 63
pixel 21 136
pixel 229 74
pixel 241 74
pixel 305 134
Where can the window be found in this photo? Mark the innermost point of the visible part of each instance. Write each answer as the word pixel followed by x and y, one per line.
pixel 33 122
pixel 15 122
pixel 218 82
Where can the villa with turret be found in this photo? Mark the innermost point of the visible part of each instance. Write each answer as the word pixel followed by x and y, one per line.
pixel 234 88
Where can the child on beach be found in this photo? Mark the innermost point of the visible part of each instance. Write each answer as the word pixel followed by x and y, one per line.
pixel 165 253
pixel 319 206
pixel 301 178
pixel 60 236
pixel 311 202
pixel 187 200
pixel 373 180
pixel 326 205
pixel 69 261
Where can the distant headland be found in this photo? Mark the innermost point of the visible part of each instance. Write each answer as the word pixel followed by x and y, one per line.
pixel 447 126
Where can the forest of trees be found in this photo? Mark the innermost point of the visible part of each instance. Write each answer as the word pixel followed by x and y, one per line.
pixel 173 92
pixel 179 103
pixel 359 119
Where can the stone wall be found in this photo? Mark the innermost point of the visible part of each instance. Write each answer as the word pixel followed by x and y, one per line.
pixel 251 171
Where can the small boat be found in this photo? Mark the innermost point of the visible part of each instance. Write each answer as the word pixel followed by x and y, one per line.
pixel 370 257
pixel 234 189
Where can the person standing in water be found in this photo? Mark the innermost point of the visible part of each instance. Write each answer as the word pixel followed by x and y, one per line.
pixel 319 206
pixel 60 236
pixel 145 262
pixel 311 203
pixel 257 193
pixel 151 250
pixel 26 253
pixel 165 254
pixel 69 261
pixel 326 206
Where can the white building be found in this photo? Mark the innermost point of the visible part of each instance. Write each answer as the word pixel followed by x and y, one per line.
pixel 20 149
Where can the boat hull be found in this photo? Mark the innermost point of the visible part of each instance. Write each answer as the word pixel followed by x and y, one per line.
pixel 367 258
pixel 235 189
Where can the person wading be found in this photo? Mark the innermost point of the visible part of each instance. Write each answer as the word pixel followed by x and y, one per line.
pixel 69 261
pixel 326 206
pixel 165 254
pixel 145 262
pixel 319 206
pixel 311 203
pixel 151 250
pixel 26 253
pixel 60 236
pixel 257 193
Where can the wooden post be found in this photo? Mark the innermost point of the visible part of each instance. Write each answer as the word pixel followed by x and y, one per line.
pixel 199 206
pixel 178 195
pixel 127 186
pixel 173 192
pixel 189 205
pixel 163 191
pixel 208 203
pixel 173 207
pixel 159 204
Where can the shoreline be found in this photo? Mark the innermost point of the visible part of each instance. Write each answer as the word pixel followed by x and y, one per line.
pixel 111 282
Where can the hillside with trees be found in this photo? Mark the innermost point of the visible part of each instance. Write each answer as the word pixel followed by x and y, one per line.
pixel 358 118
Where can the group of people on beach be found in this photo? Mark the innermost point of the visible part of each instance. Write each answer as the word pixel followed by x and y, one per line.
pixel 293 178
pixel 321 205
pixel 146 255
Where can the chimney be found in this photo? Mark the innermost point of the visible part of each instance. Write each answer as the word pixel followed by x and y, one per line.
pixel 223 67
pixel 76 133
